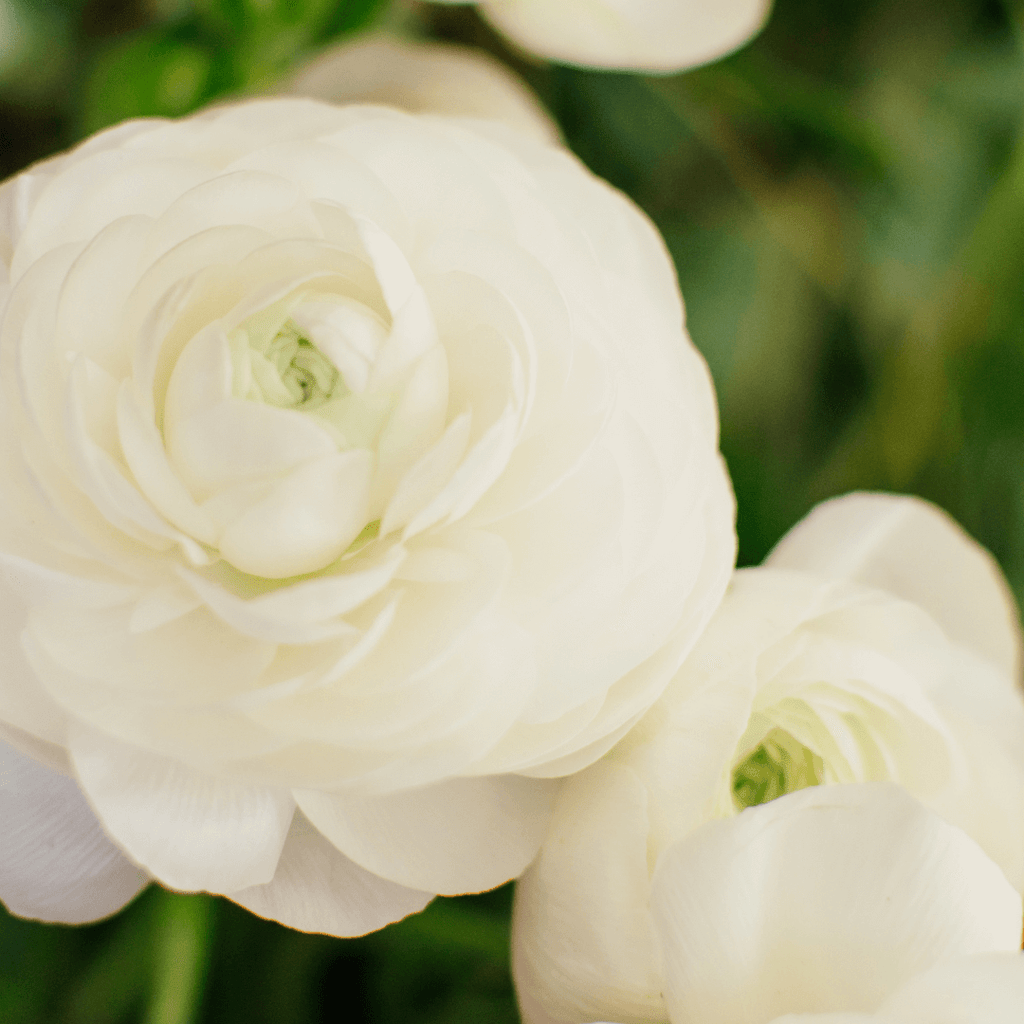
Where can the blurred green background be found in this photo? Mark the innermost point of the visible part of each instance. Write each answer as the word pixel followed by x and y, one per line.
pixel 844 200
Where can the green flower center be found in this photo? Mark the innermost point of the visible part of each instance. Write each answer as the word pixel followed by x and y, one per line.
pixel 777 766
pixel 291 372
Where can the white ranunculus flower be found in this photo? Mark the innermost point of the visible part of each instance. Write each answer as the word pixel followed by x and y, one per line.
pixel 637 35
pixel 431 77
pixel 878 643
pixel 360 478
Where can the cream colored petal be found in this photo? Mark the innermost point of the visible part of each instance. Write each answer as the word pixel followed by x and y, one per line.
pixel 439 78
pixel 306 521
pixel 914 550
pixel 458 836
pixel 423 481
pixel 304 612
pixel 56 862
pixel 987 988
pixel 583 941
pixel 631 35
pixel 318 889
pixel 189 830
pixel 827 899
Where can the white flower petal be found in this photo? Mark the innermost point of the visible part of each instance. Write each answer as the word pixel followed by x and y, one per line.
pixel 144 452
pixel 306 521
pixel 237 441
pixel 56 862
pixel 423 481
pixel 189 830
pixel 304 612
pixel 318 889
pixel 914 550
pixel 987 720
pixel 415 425
pixel 435 77
pixel 823 900
pixel 583 938
pixel 459 836
pixel 646 35
pixel 987 988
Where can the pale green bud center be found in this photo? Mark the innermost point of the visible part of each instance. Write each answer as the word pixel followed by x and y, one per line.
pixel 777 766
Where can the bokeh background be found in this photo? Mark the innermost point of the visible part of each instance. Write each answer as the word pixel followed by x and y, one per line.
pixel 844 201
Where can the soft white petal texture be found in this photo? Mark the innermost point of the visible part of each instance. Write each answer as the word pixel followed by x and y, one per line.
pixel 987 721
pixel 306 521
pixel 189 830
pixel 914 550
pixel 465 835
pixel 583 939
pixel 26 705
pixel 317 889
pixel 987 988
pixel 645 35
pixel 439 78
pixel 353 454
pixel 823 900
pixel 56 862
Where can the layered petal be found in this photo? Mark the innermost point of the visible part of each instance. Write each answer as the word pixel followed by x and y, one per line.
pixel 464 835
pixel 823 900
pixel 911 548
pixel 318 889
pixel 191 831
pixel 56 861
pixel 584 944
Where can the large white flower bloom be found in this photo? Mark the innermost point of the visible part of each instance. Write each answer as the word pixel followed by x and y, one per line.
pixel 359 476
pixel 638 35
pixel 878 643
pixel 432 77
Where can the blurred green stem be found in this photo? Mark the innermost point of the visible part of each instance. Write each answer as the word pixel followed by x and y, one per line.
pixel 184 932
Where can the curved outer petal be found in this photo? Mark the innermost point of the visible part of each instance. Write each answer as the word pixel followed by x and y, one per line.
pixel 23 702
pixel 191 831
pixel 987 988
pixel 824 900
pixel 56 862
pixel 986 718
pixel 639 35
pixel 463 835
pixel 583 942
pixel 912 549
pixel 317 889
pixel 440 78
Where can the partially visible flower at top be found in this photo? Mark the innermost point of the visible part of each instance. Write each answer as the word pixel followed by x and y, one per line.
pixel 877 643
pixel 429 77
pixel 359 477
pixel 629 35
